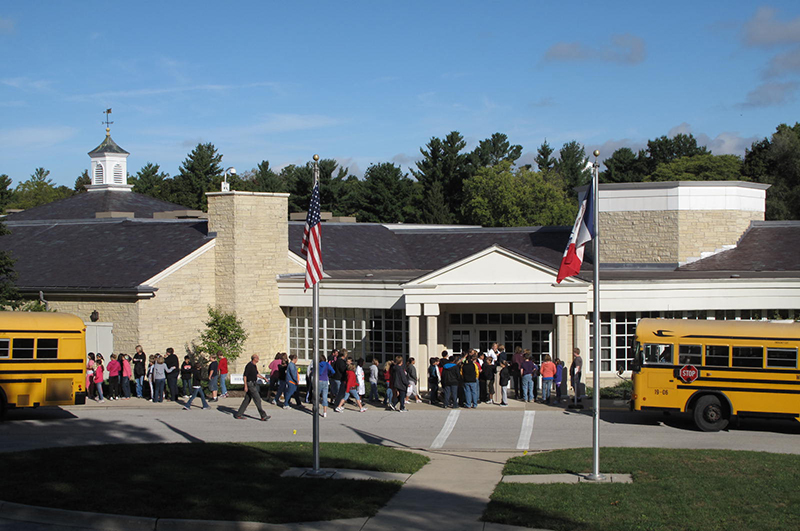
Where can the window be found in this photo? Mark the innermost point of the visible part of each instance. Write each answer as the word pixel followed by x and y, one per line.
pixel 540 318
pixel 22 348
pixel 98 174
pixel 540 345
pixel 690 355
pixel 725 315
pixel 717 355
pixel 512 339
pixel 5 349
pixel 486 338
pixel 657 354
pixel 460 340
pixel 47 349
pixel 748 357
pixel 784 358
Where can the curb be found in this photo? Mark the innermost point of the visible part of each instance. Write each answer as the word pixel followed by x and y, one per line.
pixel 118 522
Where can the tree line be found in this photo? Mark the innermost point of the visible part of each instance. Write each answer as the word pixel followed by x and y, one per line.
pixel 450 185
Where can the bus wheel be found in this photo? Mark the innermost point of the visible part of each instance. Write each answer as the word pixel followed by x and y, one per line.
pixel 709 414
pixel 3 405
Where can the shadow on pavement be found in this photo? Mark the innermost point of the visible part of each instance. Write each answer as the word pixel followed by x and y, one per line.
pixel 39 413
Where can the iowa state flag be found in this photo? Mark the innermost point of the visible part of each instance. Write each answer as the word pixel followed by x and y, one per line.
pixel 582 232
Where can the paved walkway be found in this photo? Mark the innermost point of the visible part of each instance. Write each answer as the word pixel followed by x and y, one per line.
pixel 450 492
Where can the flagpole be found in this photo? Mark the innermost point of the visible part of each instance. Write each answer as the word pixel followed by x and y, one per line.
pixel 315 354
pixel 596 475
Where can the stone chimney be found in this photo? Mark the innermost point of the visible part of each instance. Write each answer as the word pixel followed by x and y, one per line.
pixel 252 247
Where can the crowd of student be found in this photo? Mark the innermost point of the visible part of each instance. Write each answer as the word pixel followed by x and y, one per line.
pixel 154 377
pixel 465 379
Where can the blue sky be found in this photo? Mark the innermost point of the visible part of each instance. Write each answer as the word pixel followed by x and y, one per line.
pixel 371 82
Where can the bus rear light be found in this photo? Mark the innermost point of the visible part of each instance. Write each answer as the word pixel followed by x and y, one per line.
pixel 635 397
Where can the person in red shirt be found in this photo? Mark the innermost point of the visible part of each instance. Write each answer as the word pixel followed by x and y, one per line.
pixel 223 375
pixel 548 372
pixel 351 389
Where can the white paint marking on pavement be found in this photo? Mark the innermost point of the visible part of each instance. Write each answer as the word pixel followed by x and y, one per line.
pixel 447 429
pixel 527 429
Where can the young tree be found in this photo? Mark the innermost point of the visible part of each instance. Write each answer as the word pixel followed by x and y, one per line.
pixel 264 179
pixel 224 333
pixel 625 166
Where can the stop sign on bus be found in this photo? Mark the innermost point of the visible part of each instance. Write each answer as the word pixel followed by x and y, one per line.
pixel 688 373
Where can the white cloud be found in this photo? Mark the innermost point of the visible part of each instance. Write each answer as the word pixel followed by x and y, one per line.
pixel 34 137
pixel 764 30
pixel 174 90
pixel 25 83
pixel 543 102
pixel 770 94
pixel 6 26
pixel 623 49
pixel 404 160
pixel 784 63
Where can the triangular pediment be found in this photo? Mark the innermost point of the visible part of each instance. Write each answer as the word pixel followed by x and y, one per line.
pixel 494 265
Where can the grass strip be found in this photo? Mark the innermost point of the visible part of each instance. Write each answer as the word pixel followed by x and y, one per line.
pixel 672 490
pixel 213 481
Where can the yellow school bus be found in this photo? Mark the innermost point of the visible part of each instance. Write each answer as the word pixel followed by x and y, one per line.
pixel 42 359
pixel 717 369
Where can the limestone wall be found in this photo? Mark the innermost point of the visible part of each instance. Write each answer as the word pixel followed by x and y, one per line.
pixel 251 250
pixel 175 317
pixel 124 315
pixel 670 236
pixel 639 237
pixel 709 230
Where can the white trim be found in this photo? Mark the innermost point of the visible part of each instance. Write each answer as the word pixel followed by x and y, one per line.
pixel 180 263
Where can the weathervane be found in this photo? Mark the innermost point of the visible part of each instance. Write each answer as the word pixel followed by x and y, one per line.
pixel 107 122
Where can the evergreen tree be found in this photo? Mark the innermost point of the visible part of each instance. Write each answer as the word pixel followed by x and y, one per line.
pixel 663 150
pixel 386 194
pixel 544 159
pixel 571 166
pixel 38 190
pixel 495 150
pixel 9 295
pixel 625 166
pixel 149 180
pixel 200 173
pixel 444 163
pixel 6 192
pixel 82 182
pixel 265 180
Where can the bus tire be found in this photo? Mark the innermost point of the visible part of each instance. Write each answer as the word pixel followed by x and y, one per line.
pixel 709 414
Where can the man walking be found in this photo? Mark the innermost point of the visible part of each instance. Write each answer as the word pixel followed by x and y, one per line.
pixel 400 384
pixel 251 377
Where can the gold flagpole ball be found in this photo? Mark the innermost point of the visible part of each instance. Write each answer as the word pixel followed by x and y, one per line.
pixel 596 152
pixel 316 157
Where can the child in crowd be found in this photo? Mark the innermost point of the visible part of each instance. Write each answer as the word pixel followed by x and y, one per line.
pixel 151 360
pixel 351 388
pixel 125 379
pixel 186 377
pixel 98 377
pixel 387 378
pixel 90 376
pixel 433 381
pixel 360 378
pixel 113 377
pixel 505 378
pixel 373 381
pixel 197 387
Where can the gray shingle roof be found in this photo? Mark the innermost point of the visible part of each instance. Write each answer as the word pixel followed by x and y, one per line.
pixel 98 255
pixel 85 205
pixel 108 146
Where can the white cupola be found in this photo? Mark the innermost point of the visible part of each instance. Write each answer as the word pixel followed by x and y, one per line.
pixel 109 167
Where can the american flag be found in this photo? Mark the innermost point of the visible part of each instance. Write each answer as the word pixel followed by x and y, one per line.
pixel 312 241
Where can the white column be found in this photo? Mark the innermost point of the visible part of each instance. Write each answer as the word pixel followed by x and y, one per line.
pixel 413 311
pixel 563 343
pixel 432 340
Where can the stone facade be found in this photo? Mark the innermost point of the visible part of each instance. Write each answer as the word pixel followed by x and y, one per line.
pixel 185 293
pixel 670 236
pixel 123 313
pixel 251 251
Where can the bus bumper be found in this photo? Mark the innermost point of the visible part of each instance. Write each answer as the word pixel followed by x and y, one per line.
pixel 80 399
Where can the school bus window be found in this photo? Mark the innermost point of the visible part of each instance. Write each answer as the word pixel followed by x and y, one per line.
pixel 748 356
pixel 656 354
pixel 784 358
pixel 4 348
pixel 47 349
pixel 22 348
pixel 690 354
pixel 717 355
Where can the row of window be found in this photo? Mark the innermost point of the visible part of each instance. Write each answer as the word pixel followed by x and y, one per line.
pixel 720 356
pixel 501 318
pixel 26 348
pixel 617 330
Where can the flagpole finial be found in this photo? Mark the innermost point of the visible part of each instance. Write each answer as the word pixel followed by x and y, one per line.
pixel 596 153
pixel 316 157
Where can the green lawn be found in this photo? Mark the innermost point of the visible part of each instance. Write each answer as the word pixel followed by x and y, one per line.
pixel 672 490
pixel 214 481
